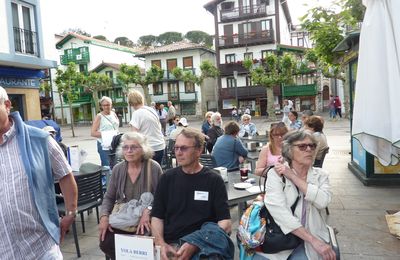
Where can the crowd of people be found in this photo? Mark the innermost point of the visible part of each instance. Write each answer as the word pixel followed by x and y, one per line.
pixel 185 208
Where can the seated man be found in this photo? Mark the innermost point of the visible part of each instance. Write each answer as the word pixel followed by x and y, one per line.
pixel 191 200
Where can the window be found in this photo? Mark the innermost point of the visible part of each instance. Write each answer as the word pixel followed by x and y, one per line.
pixel 248 56
pixel 249 82
pixel 188 62
pixel 109 74
pixel 157 89
pixel 189 87
pixel 266 25
pixel 83 68
pixel 265 53
pixel 156 62
pixel 173 90
pixel 230 82
pixel 300 42
pixel 24 28
pixel 246 28
pixel 230 58
pixel 118 92
pixel 227 5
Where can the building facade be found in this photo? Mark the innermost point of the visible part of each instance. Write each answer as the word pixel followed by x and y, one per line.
pixel 189 99
pixel 90 54
pixel 250 29
pixel 23 62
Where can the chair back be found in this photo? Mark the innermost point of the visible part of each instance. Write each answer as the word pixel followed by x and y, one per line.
pixel 208 160
pixel 319 163
pixel 90 188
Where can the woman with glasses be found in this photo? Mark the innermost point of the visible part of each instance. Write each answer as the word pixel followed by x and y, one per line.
pixel 133 180
pixel 247 128
pixel 272 151
pixel 174 125
pixel 298 181
pixel 106 122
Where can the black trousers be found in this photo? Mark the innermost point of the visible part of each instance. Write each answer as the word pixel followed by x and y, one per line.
pixel 108 245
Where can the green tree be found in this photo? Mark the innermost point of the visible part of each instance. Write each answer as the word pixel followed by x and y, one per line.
pixel 147 40
pixel 207 70
pixel 100 37
pixel 276 70
pixel 77 31
pixel 68 83
pixel 124 41
pixel 169 37
pixel 199 37
pixel 132 74
pixel 94 83
pixel 327 28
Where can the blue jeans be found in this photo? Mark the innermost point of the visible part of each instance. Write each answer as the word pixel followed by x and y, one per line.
pixel 158 156
pixel 104 155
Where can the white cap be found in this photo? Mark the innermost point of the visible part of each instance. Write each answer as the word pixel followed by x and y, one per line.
pixel 183 121
pixel 49 129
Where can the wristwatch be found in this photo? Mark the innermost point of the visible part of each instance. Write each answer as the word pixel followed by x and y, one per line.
pixel 149 208
pixel 71 213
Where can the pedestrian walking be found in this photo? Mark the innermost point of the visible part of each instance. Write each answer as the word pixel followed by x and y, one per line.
pixel 332 109
pixel 338 106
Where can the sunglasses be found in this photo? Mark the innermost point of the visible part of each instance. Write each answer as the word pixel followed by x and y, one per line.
pixel 303 147
pixel 183 149
pixel 131 147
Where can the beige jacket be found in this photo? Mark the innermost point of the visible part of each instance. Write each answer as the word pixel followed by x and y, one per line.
pixel 278 201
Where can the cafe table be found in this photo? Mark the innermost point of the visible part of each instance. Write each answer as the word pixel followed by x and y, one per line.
pixel 240 197
pixel 257 138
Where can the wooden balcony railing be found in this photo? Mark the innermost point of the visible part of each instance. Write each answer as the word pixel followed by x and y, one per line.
pixel 251 38
pixel 244 12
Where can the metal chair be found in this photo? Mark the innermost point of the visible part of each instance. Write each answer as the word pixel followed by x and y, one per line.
pixel 320 162
pixel 208 160
pixel 90 195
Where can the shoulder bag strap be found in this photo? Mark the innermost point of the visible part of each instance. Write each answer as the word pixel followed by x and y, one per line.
pixel 149 175
pixel 108 120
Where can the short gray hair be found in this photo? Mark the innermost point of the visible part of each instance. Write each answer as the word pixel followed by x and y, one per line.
pixel 3 95
pixel 290 138
pixel 107 99
pixel 246 116
pixel 141 139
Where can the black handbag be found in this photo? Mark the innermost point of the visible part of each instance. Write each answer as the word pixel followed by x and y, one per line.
pixel 275 241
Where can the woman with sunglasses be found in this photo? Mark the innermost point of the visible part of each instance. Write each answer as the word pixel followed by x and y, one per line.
pixel 133 180
pixel 298 181
pixel 272 151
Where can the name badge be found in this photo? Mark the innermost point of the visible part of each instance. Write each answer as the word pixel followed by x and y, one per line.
pixel 201 195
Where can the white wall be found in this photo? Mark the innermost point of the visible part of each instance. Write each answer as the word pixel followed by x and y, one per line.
pixel 284 29
pixel 4 45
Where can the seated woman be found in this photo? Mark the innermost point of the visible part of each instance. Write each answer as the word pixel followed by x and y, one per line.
pixel 295 123
pixel 312 185
pixel 173 126
pixel 247 128
pixel 229 151
pixel 315 125
pixel 138 174
pixel 272 151
pixel 206 123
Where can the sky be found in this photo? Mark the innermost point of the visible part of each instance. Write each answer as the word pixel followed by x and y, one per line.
pixel 133 18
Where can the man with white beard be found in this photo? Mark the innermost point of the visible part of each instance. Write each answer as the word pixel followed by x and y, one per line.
pixel 215 130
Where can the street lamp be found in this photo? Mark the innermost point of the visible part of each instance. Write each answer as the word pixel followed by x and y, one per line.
pixel 235 74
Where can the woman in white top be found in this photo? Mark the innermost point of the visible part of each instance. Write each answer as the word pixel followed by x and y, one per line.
pixel 146 121
pixel 104 126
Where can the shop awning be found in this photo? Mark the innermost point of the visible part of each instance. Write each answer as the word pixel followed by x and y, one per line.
pixel 300 90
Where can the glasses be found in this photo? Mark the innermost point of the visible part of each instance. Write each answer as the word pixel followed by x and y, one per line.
pixel 278 135
pixel 130 148
pixel 183 149
pixel 303 147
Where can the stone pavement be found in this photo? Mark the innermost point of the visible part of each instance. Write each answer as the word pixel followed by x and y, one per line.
pixel 357 211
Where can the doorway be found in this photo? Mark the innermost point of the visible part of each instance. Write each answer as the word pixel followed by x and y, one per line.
pixel 17 104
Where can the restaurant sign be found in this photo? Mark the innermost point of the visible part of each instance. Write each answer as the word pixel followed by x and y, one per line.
pixel 19 82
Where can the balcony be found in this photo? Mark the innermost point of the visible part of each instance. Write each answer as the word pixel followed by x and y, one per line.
pixel 246 39
pixel 77 56
pixel 243 92
pixel 228 68
pixel 244 12
pixel 176 97
pixel 25 41
pixel 169 76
